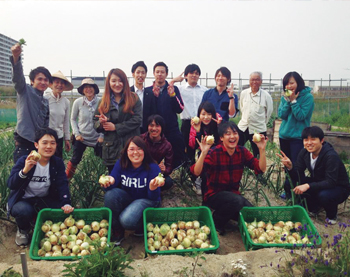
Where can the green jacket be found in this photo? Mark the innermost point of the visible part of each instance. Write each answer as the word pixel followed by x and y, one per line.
pixel 295 117
pixel 126 125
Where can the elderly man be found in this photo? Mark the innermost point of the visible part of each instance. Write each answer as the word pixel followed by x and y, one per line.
pixel 32 108
pixel 256 107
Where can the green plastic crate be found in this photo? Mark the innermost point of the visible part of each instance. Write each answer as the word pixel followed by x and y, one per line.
pixel 171 215
pixel 57 215
pixel 275 214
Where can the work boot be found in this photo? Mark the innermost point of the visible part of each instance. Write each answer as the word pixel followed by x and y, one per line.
pixel 22 237
pixel 70 170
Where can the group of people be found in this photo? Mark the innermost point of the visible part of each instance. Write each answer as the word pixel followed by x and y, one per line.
pixel 136 133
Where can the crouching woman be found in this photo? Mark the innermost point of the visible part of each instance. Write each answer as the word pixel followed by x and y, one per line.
pixel 37 183
pixel 132 187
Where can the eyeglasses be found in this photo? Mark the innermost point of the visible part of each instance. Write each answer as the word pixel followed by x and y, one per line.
pixel 132 150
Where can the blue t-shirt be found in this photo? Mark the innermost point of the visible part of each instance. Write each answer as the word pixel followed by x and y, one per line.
pixel 135 181
pixel 221 102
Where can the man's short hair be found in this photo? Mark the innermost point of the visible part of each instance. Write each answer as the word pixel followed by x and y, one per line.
pixel 256 73
pixel 40 69
pixel 314 132
pixel 161 64
pixel 136 65
pixel 192 68
pixel 223 126
pixel 47 131
pixel 226 72
pixel 157 119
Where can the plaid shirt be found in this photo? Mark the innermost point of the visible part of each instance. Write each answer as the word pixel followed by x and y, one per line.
pixel 225 171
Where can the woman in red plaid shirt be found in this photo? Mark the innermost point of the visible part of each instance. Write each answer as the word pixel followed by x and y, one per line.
pixel 224 165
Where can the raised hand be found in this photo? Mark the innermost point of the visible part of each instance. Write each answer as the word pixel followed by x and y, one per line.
pixel 262 143
pixel 29 163
pixel 171 90
pixel 197 126
pixel 203 145
pixel 230 91
pixel 102 118
pixel 156 90
pixel 285 160
pixel 16 52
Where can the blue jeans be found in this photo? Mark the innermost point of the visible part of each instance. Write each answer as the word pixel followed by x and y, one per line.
pixel 25 210
pixel 126 212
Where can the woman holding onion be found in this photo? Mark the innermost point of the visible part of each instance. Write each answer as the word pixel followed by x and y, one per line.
pixel 132 187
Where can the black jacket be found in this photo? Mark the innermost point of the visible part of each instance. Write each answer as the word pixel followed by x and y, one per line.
pixel 329 169
pixel 58 188
pixel 149 107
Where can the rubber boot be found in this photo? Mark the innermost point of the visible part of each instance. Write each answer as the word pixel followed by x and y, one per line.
pixel 70 170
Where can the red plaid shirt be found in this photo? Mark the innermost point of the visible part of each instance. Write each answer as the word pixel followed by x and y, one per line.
pixel 225 171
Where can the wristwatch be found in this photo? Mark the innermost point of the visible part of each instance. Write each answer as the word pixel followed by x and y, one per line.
pixel 232 97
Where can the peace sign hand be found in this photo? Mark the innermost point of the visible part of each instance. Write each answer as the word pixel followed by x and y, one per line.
pixel 230 91
pixel 285 160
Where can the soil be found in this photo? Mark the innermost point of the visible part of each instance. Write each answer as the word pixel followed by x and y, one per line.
pixel 231 248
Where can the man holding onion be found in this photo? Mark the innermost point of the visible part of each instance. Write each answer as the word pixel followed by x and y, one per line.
pixel 224 165
pixel 37 182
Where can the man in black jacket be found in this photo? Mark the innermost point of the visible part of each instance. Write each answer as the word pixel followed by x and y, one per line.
pixel 139 73
pixel 328 184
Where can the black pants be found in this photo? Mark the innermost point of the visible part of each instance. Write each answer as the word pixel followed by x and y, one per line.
pixel 22 150
pixel 227 205
pixel 177 142
pixel 59 148
pixel 185 130
pixel 244 136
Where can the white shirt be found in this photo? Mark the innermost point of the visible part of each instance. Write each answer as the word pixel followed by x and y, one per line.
pixel 312 161
pixel 192 97
pixel 139 93
pixel 40 183
pixel 256 110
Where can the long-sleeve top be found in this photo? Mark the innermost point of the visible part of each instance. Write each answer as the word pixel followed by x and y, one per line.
pixel 296 116
pixel 59 115
pixel 127 125
pixel 168 107
pixel 18 182
pixel 256 110
pixel 32 108
pixel 329 170
pixel 221 102
pixel 160 150
pixel 225 171
pixel 135 181
pixel 192 97
pixel 82 121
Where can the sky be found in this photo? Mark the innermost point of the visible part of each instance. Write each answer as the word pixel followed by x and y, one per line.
pixel 88 38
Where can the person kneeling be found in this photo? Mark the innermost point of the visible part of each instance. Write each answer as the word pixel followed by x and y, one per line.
pixel 224 165
pixel 328 184
pixel 37 183
pixel 132 187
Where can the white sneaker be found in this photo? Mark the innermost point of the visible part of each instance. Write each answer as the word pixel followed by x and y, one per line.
pixel 331 221
pixel 198 186
pixel 22 237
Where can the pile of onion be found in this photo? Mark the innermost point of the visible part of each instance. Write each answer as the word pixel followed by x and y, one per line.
pixel 178 236
pixel 72 237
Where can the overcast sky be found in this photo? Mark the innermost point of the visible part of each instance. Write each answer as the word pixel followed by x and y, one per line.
pixel 91 37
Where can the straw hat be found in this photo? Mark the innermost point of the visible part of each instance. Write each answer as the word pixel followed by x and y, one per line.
pixel 68 85
pixel 88 81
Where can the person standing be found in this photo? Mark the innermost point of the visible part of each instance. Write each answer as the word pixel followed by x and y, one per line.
pixel 223 98
pixel 192 94
pixel 32 108
pixel 118 117
pixel 84 134
pixel 256 107
pixel 295 111
pixel 59 110
pixel 169 104
pixel 139 73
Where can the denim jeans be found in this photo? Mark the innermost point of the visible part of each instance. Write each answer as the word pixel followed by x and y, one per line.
pixel 227 205
pixel 329 199
pixel 25 210
pixel 126 212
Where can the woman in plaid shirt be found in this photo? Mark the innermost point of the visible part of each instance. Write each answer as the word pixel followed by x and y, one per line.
pixel 224 165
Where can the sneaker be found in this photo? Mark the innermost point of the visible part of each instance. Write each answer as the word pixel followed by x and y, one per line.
pixel 198 186
pixel 331 221
pixel 118 237
pixel 22 237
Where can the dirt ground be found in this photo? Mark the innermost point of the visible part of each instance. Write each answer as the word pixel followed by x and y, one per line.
pixel 231 248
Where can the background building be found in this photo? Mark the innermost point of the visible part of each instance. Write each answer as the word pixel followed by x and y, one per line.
pixel 5 66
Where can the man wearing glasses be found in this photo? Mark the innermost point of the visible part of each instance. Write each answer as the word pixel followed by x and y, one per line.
pixel 256 107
